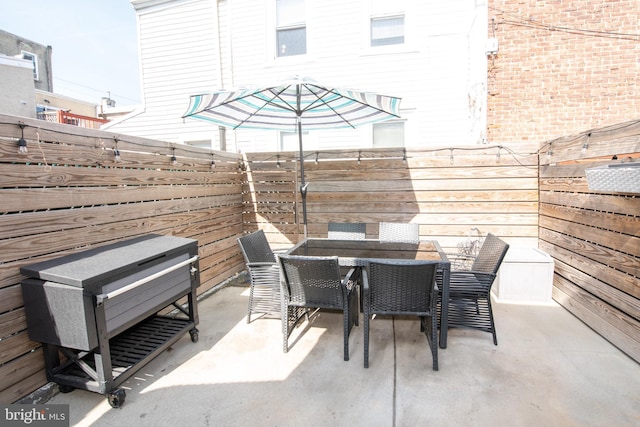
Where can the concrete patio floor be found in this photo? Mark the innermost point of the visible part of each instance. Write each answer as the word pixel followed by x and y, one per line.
pixel 549 369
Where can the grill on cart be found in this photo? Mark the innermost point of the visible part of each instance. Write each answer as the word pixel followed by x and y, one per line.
pixel 104 313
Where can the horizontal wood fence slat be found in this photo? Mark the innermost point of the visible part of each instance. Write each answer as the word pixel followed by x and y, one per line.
pixel 593 236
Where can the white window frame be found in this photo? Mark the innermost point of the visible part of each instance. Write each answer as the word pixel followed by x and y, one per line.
pixel 33 58
pixel 290 26
pixel 388 124
pixel 382 18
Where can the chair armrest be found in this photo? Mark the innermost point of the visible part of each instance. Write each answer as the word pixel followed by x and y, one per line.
pixel 260 264
pixel 352 279
pixel 264 272
pixel 460 261
pixel 470 281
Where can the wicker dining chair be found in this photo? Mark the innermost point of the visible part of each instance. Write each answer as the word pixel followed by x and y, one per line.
pixel 470 290
pixel 264 273
pixel 347 230
pixel 399 232
pixel 402 288
pixel 315 283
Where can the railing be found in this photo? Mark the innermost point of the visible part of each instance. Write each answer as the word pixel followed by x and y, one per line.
pixel 60 116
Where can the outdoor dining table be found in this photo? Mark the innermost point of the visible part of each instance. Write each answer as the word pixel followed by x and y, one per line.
pixel 357 253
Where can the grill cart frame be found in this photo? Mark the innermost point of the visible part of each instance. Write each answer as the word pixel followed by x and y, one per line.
pixel 110 310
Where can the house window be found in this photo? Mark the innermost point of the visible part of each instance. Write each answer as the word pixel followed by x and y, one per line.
pixel 387 30
pixel 290 141
pixel 291 30
pixel 388 134
pixel 34 59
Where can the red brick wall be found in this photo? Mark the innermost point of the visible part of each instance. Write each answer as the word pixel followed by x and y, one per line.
pixel 547 82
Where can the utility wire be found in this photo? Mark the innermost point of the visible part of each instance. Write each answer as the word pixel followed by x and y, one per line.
pixel 532 23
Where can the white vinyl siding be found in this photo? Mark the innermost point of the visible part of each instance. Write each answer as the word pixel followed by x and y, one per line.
pixel 201 45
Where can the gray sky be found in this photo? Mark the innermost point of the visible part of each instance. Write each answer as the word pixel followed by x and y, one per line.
pixel 94 42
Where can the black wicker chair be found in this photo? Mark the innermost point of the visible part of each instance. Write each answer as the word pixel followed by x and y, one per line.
pixel 399 232
pixel 402 288
pixel 314 282
pixel 264 273
pixel 470 290
pixel 347 230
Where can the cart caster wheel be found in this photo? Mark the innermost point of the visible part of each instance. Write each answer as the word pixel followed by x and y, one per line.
pixel 116 397
pixel 63 388
pixel 194 335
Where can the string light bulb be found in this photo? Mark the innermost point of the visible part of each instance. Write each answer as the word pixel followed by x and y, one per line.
pixel 213 162
pixel 451 156
pixel 404 156
pixel 317 154
pixel 116 152
pixel 22 143
pixel 359 153
pixel 498 154
pixel 585 146
pixel 174 159
pixel 278 161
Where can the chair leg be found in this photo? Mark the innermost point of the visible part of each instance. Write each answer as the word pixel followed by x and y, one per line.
pixel 429 327
pixel 346 328
pixel 492 323
pixel 250 308
pixel 366 338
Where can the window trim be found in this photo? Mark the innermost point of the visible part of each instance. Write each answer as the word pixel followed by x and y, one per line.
pixel 293 26
pixel 373 18
pixel 402 122
pixel 33 58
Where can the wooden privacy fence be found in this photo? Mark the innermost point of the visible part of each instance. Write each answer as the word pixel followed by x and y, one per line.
pixel 70 192
pixel 594 236
pixel 448 191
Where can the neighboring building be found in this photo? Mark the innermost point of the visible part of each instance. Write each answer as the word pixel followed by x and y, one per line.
pixel 431 54
pixel 26 86
pixel 17 87
pixel 38 54
pixel 562 67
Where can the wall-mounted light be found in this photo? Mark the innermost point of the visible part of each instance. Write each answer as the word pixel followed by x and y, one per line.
pixel 22 143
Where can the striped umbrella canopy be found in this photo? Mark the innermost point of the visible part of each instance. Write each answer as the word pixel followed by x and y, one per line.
pixel 290 106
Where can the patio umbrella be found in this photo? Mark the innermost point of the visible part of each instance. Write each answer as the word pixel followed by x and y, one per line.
pixel 291 106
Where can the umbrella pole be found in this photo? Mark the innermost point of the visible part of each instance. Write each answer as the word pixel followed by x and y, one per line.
pixel 303 185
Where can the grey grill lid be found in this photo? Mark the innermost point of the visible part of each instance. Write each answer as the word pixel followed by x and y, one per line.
pixel 97 266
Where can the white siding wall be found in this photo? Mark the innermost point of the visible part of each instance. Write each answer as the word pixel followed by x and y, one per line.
pixel 440 71
pixel 178 57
